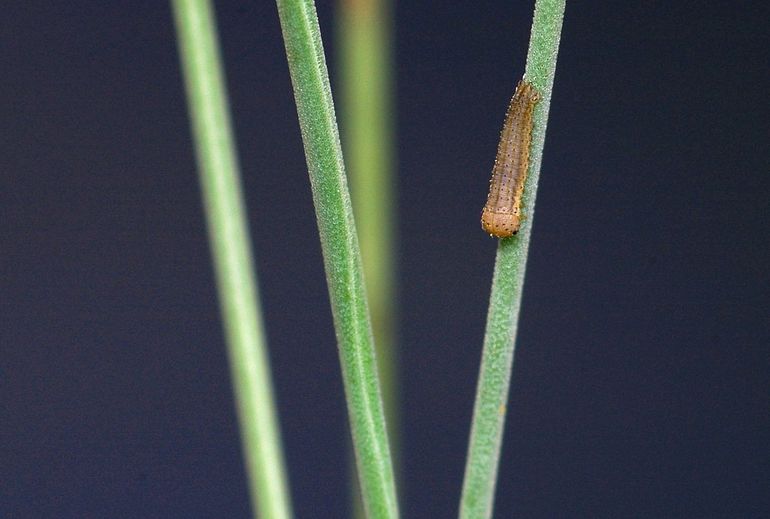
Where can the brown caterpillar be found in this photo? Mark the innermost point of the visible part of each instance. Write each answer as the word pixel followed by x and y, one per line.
pixel 502 216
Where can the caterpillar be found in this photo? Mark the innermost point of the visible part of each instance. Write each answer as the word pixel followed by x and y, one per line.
pixel 501 216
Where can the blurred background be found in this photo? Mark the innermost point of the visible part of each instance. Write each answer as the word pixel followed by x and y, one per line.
pixel 641 384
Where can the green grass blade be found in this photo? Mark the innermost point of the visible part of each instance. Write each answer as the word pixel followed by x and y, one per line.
pixel 368 143
pixel 364 29
pixel 508 279
pixel 231 251
pixel 342 260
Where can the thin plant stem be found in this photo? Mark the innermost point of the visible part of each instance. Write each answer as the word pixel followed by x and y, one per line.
pixel 508 279
pixel 231 251
pixel 342 259
pixel 364 31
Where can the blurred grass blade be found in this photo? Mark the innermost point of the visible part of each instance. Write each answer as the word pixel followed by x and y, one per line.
pixel 508 279
pixel 231 251
pixel 364 29
pixel 342 261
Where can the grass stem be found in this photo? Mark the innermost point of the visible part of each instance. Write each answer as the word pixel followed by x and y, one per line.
pixel 342 259
pixel 364 31
pixel 231 250
pixel 508 280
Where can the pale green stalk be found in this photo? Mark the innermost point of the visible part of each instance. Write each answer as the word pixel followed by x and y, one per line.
pixel 508 279
pixel 231 251
pixel 364 35
pixel 342 259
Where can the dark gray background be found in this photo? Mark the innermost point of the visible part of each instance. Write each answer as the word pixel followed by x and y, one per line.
pixel 641 380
